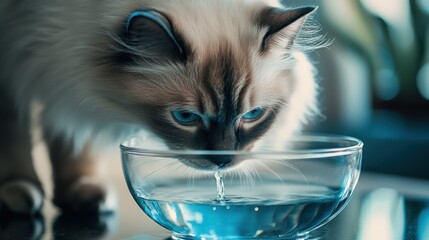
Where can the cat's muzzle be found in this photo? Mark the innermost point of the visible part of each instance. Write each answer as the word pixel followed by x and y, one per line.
pixel 211 162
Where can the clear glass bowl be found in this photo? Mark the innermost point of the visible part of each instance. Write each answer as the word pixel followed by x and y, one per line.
pixel 280 194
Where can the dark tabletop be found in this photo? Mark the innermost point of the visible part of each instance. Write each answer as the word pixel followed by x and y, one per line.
pixel 382 208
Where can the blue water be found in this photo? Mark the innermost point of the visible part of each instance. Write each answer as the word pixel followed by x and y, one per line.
pixel 267 212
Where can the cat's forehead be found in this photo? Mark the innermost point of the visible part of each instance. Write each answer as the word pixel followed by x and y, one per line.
pixel 240 81
pixel 208 24
pixel 225 67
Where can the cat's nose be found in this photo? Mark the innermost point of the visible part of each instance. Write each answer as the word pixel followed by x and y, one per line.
pixel 222 138
pixel 221 161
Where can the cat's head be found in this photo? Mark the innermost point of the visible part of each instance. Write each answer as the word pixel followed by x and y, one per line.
pixel 211 75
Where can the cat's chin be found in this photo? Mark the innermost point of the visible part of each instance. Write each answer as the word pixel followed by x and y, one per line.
pixel 209 165
pixel 215 162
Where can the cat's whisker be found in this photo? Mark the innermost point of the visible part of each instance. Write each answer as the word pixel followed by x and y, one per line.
pixel 144 163
pixel 238 172
pixel 255 171
pixel 249 177
pixel 293 167
pixel 244 178
pixel 288 165
pixel 180 166
pixel 158 170
pixel 175 169
pixel 232 175
pixel 263 165
pixel 191 177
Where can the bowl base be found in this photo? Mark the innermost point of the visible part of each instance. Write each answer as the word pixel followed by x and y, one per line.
pixel 305 236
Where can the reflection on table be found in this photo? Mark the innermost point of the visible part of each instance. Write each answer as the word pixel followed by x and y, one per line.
pixel 376 212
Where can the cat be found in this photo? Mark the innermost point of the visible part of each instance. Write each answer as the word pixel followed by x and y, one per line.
pixel 212 75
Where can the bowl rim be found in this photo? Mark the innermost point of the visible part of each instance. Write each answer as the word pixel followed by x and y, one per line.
pixel 356 146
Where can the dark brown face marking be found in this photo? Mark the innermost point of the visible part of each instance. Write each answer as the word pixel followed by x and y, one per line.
pixel 248 136
pixel 224 85
pixel 221 77
pixel 148 35
pixel 217 97
pixel 218 84
pixel 278 20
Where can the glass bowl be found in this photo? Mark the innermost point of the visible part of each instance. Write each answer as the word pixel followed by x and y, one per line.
pixel 276 194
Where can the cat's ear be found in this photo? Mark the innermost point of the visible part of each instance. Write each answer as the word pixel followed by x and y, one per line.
pixel 149 35
pixel 283 26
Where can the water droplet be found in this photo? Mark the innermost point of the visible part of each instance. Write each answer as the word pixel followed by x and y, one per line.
pixel 228 207
pixel 214 208
pixel 256 209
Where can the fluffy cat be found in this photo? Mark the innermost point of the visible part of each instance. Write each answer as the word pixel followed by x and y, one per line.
pixel 212 74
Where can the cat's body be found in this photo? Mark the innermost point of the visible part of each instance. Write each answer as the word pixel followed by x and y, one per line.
pixel 212 74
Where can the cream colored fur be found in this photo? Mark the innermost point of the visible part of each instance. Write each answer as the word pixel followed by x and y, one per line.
pixel 47 45
pixel 55 52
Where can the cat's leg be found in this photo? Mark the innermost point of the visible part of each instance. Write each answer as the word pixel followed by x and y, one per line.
pixel 20 189
pixel 79 186
pixel 22 227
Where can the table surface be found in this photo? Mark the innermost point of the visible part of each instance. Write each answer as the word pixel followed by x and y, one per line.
pixel 376 211
pixel 383 207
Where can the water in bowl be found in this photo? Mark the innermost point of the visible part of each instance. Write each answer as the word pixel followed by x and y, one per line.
pixel 274 210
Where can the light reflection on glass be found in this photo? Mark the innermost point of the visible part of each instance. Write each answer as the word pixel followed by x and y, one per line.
pixel 382 216
pixel 423 225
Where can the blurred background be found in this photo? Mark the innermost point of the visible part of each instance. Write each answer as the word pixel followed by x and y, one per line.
pixel 375 79
pixel 374 85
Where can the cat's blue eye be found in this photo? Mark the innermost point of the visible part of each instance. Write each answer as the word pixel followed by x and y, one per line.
pixel 253 114
pixel 185 117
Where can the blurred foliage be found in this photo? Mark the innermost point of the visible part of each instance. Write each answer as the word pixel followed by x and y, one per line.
pixel 393 37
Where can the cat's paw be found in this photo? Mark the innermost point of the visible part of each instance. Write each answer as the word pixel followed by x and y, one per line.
pixel 21 197
pixel 86 195
pixel 16 226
